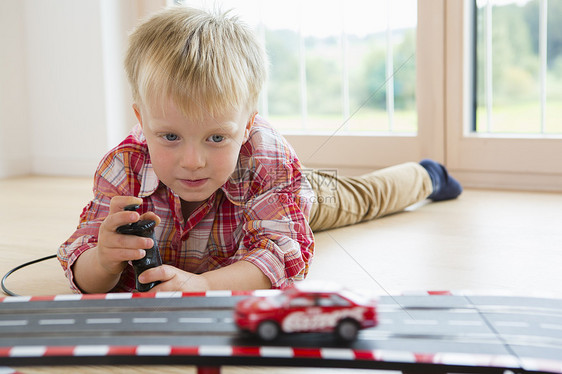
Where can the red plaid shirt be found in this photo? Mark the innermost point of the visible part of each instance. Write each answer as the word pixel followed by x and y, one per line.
pixel 259 215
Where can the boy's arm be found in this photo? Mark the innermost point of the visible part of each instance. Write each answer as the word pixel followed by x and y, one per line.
pixel 116 175
pixel 277 237
pixel 241 275
pixel 229 277
pixel 90 276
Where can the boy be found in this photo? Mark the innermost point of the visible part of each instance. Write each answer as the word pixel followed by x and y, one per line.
pixel 232 206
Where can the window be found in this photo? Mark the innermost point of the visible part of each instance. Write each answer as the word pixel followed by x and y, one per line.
pixel 518 66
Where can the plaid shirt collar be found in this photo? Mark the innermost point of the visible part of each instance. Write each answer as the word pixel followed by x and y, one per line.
pixel 149 181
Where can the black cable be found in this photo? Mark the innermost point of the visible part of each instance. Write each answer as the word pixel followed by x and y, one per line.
pixel 6 290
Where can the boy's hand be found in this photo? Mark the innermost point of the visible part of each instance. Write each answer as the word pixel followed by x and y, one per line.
pixel 174 279
pixel 114 249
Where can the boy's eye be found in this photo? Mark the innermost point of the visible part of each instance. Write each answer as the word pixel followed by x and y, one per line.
pixel 216 138
pixel 171 137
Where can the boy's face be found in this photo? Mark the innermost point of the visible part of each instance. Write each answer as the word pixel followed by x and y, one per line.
pixel 193 157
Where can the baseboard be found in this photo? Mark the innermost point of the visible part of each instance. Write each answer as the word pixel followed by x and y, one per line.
pixel 14 168
pixel 510 181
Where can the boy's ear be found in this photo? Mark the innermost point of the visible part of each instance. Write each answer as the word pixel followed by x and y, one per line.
pixel 138 113
pixel 248 127
pixel 247 132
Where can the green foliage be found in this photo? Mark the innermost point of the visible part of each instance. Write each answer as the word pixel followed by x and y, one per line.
pixel 283 86
pixel 323 76
pixel 324 73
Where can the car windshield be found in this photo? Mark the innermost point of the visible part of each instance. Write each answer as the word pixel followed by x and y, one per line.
pixel 278 300
pixel 355 297
pixel 332 300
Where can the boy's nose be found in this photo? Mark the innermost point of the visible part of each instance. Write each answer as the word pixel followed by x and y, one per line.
pixel 192 158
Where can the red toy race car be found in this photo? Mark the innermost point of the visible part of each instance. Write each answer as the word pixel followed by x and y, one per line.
pixel 297 309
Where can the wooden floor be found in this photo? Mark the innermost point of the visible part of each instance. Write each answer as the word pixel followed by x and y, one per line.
pixel 485 241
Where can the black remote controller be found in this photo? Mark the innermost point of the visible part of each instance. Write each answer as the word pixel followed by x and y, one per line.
pixel 144 228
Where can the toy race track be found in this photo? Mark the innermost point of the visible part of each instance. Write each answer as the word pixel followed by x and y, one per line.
pixel 427 332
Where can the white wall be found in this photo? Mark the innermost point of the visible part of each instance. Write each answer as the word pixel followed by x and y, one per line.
pixel 65 92
pixel 64 100
pixel 15 157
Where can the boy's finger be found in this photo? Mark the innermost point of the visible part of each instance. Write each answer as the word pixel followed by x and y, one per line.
pixel 159 273
pixel 123 255
pixel 113 221
pixel 118 203
pixel 152 216
pixel 130 242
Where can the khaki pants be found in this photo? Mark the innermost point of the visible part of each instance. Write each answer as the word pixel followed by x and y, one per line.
pixel 342 201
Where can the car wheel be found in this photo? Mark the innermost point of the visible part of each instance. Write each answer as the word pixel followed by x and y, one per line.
pixel 268 330
pixel 347 330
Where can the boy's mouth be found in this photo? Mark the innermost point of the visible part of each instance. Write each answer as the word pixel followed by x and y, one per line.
pixel 194 182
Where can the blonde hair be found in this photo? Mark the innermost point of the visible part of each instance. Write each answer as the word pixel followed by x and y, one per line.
pixel 204 62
